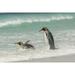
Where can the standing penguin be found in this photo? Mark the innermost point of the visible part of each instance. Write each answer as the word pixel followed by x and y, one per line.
pixel 49 37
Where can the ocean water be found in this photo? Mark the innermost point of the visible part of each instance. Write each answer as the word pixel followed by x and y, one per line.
pixel 16 27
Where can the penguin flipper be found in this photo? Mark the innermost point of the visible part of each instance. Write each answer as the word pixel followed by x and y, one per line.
pixel 27 41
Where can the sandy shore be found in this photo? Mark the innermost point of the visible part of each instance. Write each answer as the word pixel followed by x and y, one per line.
pixel 65 58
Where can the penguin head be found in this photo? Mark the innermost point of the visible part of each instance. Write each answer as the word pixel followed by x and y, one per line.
pixel 44 29
pixel 19 43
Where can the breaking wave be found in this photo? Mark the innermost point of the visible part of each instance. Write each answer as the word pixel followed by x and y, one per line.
pixel 31 20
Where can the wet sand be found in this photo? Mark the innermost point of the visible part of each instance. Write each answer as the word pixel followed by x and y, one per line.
pixel 65 58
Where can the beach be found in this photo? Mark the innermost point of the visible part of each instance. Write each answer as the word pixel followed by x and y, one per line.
pixel 65 58
pixel 22 27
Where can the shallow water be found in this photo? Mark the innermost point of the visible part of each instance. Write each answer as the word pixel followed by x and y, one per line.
pixel 23 27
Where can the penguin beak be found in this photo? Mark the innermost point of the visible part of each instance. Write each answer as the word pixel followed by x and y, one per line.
pixel 15 43
pixel 40 30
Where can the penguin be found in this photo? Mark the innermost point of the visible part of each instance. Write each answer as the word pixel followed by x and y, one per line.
pixel 49 37
pixel 25 45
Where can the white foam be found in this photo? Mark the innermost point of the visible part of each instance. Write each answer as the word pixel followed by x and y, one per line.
pixel 27 55
pixel 30 20
pixel 64 41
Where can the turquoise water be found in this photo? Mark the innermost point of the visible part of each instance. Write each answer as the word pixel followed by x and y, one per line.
pixel 23 27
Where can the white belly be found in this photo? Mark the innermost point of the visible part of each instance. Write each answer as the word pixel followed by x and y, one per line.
pixel 46 41
pixel 19 48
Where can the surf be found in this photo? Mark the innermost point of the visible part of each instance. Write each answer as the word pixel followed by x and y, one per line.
pixel 19 21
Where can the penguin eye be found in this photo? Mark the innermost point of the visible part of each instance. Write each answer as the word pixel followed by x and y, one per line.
pixel 19 43
pixel 43 29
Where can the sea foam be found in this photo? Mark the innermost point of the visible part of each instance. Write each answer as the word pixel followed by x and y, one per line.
pixel 19 21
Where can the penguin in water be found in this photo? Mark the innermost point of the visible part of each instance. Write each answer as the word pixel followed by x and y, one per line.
pixel 49 37
pixel 25 45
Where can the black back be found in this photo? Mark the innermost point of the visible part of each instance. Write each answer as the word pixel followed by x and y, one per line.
pixel 27 45
pixel 50 40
